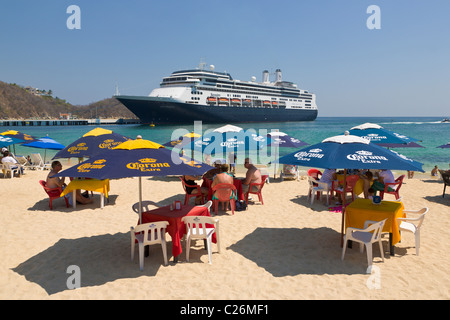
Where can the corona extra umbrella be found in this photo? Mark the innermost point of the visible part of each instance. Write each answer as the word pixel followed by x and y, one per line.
pixel 228 139
pixel 45 143
pixel 280 139
pixel 349 152
pixel 135 158
pixel 19 135
pixel 383 137
pixel 93 142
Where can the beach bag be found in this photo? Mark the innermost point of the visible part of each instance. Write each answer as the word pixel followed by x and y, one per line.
pixel 241 205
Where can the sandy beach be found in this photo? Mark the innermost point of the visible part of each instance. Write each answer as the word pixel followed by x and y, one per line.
pixel 284 249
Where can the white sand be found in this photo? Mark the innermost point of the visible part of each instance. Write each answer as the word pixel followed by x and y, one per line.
pixel 283 249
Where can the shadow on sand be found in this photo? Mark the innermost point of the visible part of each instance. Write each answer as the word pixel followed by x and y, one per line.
pixel 101 259
pixel 290 252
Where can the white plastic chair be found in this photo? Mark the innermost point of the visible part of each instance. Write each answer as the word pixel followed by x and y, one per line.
pixel 366 237
pixel 206 205
pixel 146 234
pixel 12 168
pixel 319 188
pixel 196 229
pixel 413 224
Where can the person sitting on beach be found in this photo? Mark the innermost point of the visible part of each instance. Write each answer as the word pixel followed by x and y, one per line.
pixel 253 175
pixel 190 181
pixel 212 172
pixel 59 182
pixel 222 177
pixel 384 176
pixel 7 158
pixel 367 179
pixel 328 176
pixel 434 172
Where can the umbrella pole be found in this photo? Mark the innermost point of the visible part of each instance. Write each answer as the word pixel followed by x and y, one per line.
pixel 275 164
pixel 140 200
pixel 343 207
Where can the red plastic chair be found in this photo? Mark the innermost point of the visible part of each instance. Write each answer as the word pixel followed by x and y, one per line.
pixel 393 186
pixel 53 193
pixel 225 193
pixel 190 195
pixel 349 185
pixel 261 185
pixel 314 173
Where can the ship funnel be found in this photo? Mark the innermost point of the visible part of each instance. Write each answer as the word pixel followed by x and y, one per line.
pixel 266 76
pixel 278 75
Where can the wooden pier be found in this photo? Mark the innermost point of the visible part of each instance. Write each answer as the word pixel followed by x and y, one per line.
pixel 65 122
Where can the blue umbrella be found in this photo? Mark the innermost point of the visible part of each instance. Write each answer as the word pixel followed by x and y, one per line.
pixel 281 139
pixel 229 139
pixel 444 146
pixel 135 158
pixel 93 142
pixel 6 141
pixel 45 143
pixel 383 137
pixel 349 152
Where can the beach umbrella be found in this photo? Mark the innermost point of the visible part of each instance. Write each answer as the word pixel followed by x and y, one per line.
pixel 445 146
pixel 183 140
pixel 19 135
pixel 228 139
pixel 45 143
pixel 135 158
pixel 91 143
pixel 280 139
pixel 349 152
pixel 6 141
pixel 383 137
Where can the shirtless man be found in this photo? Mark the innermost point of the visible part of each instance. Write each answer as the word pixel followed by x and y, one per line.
pixel 253 175
pixel 58 182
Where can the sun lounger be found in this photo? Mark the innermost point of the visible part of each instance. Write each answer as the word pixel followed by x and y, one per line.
pixel 38 163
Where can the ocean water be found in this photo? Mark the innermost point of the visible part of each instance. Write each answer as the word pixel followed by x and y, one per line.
pixel 430 130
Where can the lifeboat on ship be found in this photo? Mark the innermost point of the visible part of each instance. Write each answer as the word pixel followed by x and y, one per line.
pixel 246 101
pixel 236 101
pixel 274 103
pixel 224 100
pixel 266 103
pixel 211 100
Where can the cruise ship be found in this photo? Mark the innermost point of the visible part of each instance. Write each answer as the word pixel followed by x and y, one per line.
pixel 204 94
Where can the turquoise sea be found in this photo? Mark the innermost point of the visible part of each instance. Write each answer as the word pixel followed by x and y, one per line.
pixel 429 130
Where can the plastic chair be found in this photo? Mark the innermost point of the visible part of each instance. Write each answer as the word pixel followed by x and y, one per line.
pixel 190 195
pixel 314 173
pixel 318 187
pixel 350 182
pixel 366 237
pixel 145 206
pixel 12 168
pixel 225 193
pixel 413 224
pixel 395 186
pixel 53 193
pixel 446 177
pixel 261 185
pixel 201 227
pixel 147 234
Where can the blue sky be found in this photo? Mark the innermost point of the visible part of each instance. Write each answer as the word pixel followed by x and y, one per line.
pixel 402 69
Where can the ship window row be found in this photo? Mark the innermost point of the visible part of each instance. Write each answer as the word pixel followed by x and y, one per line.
pixel 175 79
pixel 248 92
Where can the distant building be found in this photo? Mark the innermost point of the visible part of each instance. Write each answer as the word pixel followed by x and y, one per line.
pixel 65 116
